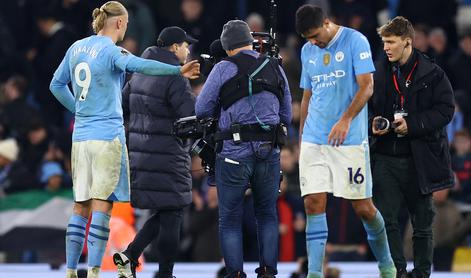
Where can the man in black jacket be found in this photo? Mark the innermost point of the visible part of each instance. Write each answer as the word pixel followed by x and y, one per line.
pixel 411 156
pixel 159 161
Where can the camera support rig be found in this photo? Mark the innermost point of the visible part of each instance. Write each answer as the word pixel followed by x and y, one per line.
pixel 203 130
pixel 266 42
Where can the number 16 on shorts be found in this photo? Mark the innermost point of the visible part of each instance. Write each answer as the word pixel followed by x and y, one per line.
pixel 355 175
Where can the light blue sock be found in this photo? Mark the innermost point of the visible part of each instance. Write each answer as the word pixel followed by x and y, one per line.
pixel 378 240
pixel 97 238
pixel 316 238
pixel 74 239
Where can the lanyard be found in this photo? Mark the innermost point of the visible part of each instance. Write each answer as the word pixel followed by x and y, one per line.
pixel 408 82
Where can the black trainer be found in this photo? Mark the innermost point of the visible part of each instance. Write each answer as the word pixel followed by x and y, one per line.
pixel 265 272
pixel 126 266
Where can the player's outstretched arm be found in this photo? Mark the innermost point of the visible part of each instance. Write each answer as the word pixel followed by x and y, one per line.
pixel 151 67
pixel 148 67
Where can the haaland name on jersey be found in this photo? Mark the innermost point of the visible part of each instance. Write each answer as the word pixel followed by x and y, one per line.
pixel 87 50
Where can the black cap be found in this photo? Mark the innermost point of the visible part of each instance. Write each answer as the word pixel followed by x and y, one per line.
pixel 174 34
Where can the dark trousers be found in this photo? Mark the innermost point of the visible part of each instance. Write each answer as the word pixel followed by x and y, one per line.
pixel 395 185
pixel 165 226
pixel 232 181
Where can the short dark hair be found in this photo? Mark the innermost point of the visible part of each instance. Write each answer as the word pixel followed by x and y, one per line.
pixel 398 26
pixel 308 17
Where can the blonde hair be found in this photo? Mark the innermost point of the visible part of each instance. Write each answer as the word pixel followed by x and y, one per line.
pixel 107 10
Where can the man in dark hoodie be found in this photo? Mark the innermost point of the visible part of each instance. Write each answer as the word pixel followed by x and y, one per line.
pixel 159 161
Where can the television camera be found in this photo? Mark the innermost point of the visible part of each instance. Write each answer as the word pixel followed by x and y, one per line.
pixel 264 43
pixel 202 131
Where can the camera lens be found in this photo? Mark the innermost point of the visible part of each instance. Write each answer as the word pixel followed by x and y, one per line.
pixel 382 124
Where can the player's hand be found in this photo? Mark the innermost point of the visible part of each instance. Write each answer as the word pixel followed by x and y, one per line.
pixel 191 70
pixel 401 126
pixel 339 132
pixel 377 131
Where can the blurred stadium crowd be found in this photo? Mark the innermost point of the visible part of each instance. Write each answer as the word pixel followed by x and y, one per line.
pixel 35 129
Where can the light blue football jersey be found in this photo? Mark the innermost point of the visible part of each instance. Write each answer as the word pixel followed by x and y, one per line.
pixel 96 68
pixel 330 74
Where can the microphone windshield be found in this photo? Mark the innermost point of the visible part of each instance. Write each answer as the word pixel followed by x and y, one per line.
pixel 216 50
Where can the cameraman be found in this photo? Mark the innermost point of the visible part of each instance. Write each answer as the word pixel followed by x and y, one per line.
pixel 411 157
pixel 248 154
pixel 160 163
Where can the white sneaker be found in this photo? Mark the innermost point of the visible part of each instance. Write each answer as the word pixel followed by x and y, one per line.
pixel 126 267
pixel 93 272
pixel 71 273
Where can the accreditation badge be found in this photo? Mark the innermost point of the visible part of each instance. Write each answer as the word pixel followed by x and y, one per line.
pixel 326 59
pixel 399 114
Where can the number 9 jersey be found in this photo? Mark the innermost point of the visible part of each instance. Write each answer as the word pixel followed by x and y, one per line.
pixel 96 68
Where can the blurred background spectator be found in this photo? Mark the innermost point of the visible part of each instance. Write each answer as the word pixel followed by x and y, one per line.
pixel 459 64
pixel 141 27
pixel 54 40
pixel 361 15
pixel 439 13
pixel 13 174
pixel 461 165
